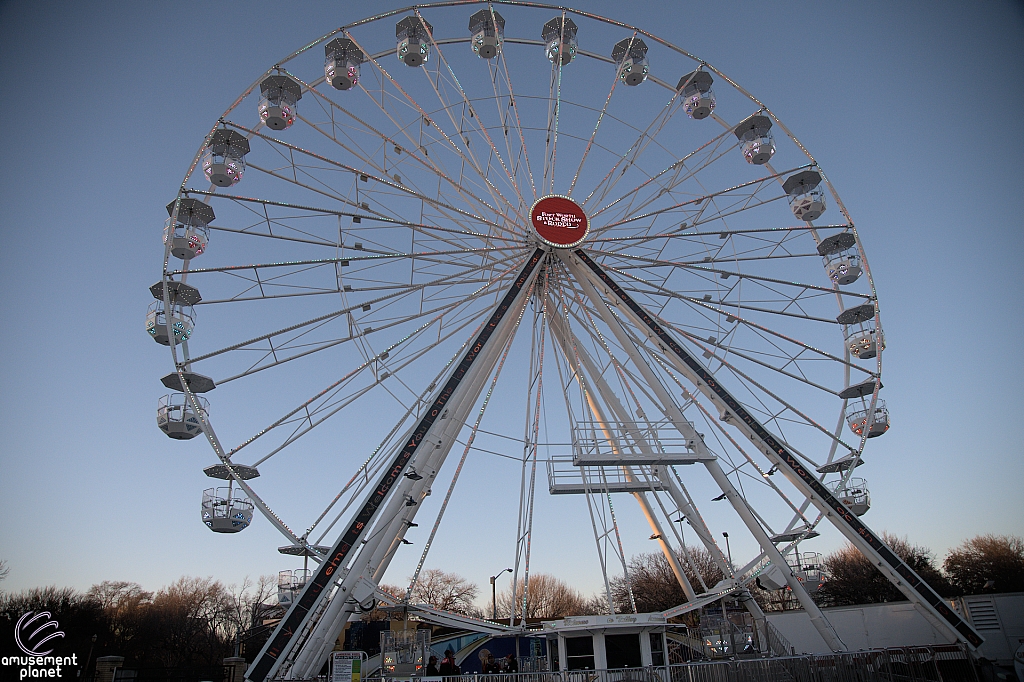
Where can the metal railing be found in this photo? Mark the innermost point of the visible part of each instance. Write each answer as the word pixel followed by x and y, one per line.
pixel 940 663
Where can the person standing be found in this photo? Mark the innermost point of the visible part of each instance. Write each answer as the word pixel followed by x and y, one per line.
pixel 448 666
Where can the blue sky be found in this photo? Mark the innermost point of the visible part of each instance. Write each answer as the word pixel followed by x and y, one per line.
pixel 911 109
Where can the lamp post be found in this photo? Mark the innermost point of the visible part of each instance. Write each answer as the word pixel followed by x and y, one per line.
pixel 732 573
pixel 494 593
pixel 89 657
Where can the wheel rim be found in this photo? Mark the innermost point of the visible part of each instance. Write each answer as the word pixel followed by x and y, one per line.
pixel 427 250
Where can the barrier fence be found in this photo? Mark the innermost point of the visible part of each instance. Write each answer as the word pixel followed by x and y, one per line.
pixel 941 663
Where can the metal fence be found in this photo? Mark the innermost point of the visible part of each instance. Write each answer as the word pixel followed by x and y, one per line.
pixel 217 673
pixel 943 663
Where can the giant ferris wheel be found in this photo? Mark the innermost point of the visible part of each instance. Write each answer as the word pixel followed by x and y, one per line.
pixel 530 236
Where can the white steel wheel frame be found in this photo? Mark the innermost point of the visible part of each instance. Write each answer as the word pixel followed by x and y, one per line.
pixel 366 244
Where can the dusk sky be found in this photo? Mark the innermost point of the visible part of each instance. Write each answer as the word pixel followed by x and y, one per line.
pixel 911 109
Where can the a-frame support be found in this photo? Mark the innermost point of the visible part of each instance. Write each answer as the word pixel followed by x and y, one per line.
pixel 319 589
pixel 927 601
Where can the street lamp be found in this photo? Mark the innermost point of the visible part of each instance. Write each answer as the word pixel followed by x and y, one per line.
pixel 494 594
pixel 89 658
pixel 732 573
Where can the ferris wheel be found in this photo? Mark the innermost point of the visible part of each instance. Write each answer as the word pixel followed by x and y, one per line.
pixel 570 250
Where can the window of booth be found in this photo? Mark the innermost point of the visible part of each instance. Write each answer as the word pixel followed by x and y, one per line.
pixel 623 651
pixel 579 653
pixel 657 648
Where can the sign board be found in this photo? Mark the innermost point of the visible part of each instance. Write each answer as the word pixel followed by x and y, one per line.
pixel 346 666
pixel 559 221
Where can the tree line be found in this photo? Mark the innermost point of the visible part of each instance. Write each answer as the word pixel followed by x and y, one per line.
pixel 190 623
pixel 200 621
pixel 983 564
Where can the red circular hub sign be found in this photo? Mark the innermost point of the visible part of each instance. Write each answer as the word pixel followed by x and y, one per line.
pixel 559 221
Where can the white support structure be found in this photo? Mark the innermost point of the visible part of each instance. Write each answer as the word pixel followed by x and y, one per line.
pixel 308 630
pixel 674 414
pixel 573 352
pixel 928 602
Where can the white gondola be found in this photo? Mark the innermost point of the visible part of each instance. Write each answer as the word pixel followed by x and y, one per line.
pixel 178 419
pixel 854 495
pixel 698 98
pixel 863 339
pixel 224 511
pixel 806 197
pixel 488 30
pixel 224 158
pixel 188 231
pixel 413 35
pixel 756 141
pixel 182 320
pixel 841 258
pixel 342 59
pixel 879 420
pixel 560 36
pixel 809 570
pixel 630 55
pixel 771 578
pixel 279 101
pixel 290 584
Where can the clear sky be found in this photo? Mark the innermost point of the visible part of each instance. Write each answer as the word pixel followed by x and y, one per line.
pixel 912 109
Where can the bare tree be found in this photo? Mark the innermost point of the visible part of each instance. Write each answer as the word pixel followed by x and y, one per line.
pixel 654 584
pixel 446 591
pixel 595 604
pixel 546 597
pixel 190 622
pixel 252 602
pixel 124 605
pixel 5 569
pixel 853 579
pixel 377 613
pixel 987 563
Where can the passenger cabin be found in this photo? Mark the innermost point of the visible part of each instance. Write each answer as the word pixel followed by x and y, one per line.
pixel 290 584
pixel 487 29
pixel 806 197
pixel 854 495
pixel 342 59
pixel 698 98
pixel 841 259
pixel 876 422
pixel 560 37
pixel 756 141
pixel 177 418
pixel 630 56
pixel 225 511
pixel 279 101
pixel 413 35
pixel 181 318
pixel 863 339
pixel 224 158
pixel 809 570
pixel 187 228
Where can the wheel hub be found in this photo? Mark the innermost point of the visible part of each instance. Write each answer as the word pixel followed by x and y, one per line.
pixel 559 221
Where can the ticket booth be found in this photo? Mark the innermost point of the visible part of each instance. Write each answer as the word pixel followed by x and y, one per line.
pixel 615 643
